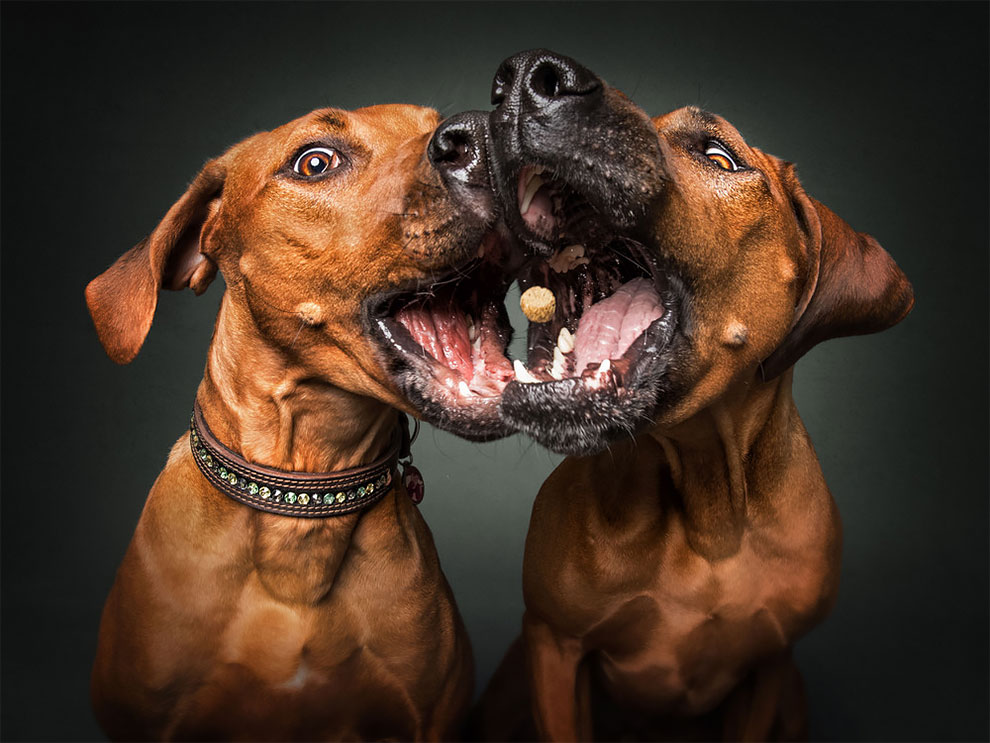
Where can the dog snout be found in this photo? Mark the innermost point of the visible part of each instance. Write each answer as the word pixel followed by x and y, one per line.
pixel 457 149
pixel 541 80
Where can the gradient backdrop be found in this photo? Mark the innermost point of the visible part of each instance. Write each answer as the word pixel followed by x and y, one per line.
pixel 109 110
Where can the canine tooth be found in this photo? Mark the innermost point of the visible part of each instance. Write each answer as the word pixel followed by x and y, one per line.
pixel 531 188
pixel 556 370
pixel 471 329
pixel 565 340
pixel 606 365
pixel 558 357
pixel 463 388
pixel 522 373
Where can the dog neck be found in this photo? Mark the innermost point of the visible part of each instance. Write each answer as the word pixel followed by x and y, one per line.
pixel 265 408
pixel 260 404
pixel 716 460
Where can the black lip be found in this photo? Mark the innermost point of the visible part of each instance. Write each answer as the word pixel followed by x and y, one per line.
pixel 571 417
pixel 605 150
pixel 620 192
pixel 507 181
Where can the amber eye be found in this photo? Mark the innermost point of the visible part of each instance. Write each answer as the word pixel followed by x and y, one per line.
pixel 316 161
pixel 720 157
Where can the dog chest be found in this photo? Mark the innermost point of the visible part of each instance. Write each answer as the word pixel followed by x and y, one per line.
pixel 671 631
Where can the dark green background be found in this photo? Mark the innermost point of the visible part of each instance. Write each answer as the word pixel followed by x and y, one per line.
pixel 109 110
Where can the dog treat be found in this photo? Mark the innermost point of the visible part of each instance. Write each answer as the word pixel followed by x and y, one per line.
pixel 538 304
pixel 567 258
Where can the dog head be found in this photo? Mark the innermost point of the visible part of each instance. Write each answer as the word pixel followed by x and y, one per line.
pixel 325 229
pixel 684 261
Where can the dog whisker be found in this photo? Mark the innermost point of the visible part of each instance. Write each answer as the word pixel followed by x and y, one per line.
pixel 302 324
pixel 632 260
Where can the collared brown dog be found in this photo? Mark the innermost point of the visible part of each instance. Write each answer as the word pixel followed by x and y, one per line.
pixel 229 622
pixel 667 578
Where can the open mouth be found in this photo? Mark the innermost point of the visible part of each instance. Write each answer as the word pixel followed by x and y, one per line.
pixel 446 341
pixel 596 352
pixel 607 290
pixel 594 362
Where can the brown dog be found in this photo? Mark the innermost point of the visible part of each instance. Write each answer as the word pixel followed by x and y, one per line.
pixel 667 578
pixel 227 621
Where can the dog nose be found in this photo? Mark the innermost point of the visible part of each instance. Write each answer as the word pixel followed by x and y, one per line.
pixel 457 149
pixel 459 152
pixel 540 79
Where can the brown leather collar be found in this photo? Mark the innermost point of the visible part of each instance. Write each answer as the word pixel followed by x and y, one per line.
pixel 305 494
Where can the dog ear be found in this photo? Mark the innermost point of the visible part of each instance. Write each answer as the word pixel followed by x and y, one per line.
pixel 854 286
pixel 122 299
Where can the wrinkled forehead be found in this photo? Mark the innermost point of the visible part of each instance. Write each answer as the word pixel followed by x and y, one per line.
pixel 376 127
pixel 364 132
pixel 693 123
pixel 691 120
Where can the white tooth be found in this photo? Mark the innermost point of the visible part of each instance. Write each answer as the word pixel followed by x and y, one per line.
pixel 531 188
pixel 522 373
pixel 565 340
pixel 476 343
pixel 472 330
pixel 558 357
pixel 606 365
pixel 464 389
pixel 556 370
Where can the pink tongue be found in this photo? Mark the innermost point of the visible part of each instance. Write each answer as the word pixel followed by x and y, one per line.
pixel 437 331
pixel 610 326
pixel 539 214
pixel 539 217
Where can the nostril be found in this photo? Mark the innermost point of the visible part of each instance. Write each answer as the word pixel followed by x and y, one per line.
pixel 455 144
pixel 452 147
pixel 545 81
pixel 549 78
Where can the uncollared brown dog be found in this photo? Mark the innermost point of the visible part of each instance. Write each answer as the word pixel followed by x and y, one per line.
pixel 227 622
pixel 667 578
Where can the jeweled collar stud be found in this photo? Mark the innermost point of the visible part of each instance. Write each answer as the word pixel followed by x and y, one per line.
pixel 304 494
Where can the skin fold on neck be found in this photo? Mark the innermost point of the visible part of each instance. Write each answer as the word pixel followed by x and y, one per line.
pixel 716 461
pixel 260 404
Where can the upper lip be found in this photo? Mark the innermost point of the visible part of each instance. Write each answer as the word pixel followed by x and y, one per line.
pixel 447 335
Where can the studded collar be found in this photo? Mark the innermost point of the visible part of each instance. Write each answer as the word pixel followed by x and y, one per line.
pixel 301 494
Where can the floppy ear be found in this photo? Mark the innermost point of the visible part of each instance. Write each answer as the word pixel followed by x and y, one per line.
pixel 854 286
pixel 123 298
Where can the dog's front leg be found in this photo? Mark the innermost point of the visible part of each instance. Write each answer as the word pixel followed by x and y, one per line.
pixel 561 705
pixel 768 705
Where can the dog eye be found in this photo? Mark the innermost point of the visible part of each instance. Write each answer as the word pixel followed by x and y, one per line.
pixel 720 157
pixel 316 161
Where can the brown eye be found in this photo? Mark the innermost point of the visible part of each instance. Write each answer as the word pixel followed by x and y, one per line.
pixel 317 161
pixel 720 157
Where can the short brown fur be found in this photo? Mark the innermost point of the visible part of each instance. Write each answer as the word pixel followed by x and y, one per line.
pixel 229 623
pixel 666 579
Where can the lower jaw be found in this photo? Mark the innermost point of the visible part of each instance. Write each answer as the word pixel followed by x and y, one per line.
pixel 586 426
pixel 575 415
pixel 479 420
